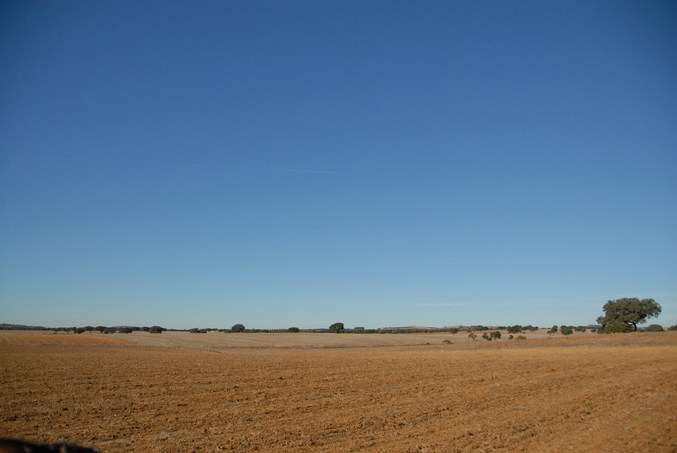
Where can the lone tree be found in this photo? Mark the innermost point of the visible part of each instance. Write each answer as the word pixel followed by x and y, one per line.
pixel 336 327
pixel 623 315
pixel 237 328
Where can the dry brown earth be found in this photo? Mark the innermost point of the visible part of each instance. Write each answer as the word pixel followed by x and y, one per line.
pixel 219 340
pixel 583 393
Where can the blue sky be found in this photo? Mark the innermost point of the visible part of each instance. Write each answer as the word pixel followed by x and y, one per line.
pixel 298 163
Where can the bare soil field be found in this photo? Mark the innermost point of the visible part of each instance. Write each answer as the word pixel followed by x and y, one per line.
pixel 608 393
pixel 220 340
pixel 49 337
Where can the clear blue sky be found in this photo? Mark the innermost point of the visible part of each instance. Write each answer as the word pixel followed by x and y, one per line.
pixel 298 163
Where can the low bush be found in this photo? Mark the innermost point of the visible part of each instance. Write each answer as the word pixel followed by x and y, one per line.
pixel 654 328
pixel 617 327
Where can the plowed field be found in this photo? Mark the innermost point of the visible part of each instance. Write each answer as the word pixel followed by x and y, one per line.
pixel 604 393
pixel 54 339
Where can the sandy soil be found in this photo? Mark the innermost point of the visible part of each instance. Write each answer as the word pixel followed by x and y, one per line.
pixel 588 393
pixel 48 337
pixel 219 340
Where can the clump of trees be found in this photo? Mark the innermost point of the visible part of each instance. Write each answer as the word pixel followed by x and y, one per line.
pixel 623 315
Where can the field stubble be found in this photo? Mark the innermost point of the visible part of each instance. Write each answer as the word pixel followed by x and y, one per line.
pixel 591 393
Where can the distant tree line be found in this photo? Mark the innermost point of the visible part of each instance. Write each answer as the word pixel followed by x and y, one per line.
pixel 622 315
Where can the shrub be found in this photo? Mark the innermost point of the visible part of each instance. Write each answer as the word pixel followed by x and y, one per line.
pixel 673 327
pixel 617 327
pixel 293 329
pixel 487 337
pixel 511 337
pixel 446 341
pixel 472 336
pixel 654 328
pixel 521 337
pixel 566 330
pixel 495 335
pixel 156 329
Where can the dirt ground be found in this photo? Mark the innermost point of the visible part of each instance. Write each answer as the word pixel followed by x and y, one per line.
pixel 584 393
pixel 219 340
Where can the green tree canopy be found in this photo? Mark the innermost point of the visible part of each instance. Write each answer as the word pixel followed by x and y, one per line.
pixel 336 327
pixel 515 329
pixel 237 328
pixel 623 315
